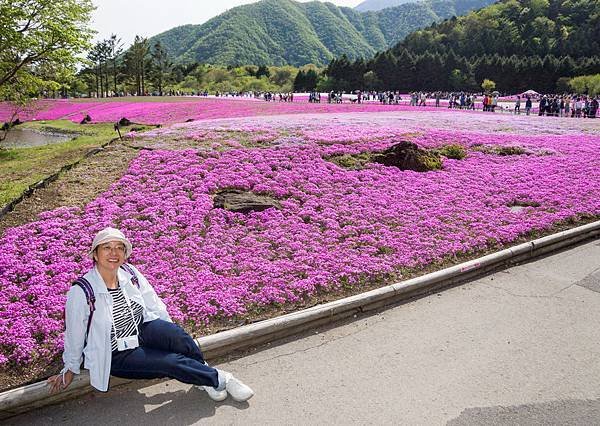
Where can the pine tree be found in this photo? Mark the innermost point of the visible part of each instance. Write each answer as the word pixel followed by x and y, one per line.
pixel 300 82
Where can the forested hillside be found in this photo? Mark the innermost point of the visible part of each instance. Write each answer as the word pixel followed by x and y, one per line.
pixel 530 27
pixel 529 44
pixel 277 32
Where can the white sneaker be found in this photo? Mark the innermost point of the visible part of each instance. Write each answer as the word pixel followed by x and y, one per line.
pixel 238 390
pixel 215 395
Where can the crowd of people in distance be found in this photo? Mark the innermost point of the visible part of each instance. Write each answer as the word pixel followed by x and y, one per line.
pixel 554 105
pixel 314 97
pixel 335 97
pixel 387 97
pixel 572 105
pixel 575 106
pixel 281 97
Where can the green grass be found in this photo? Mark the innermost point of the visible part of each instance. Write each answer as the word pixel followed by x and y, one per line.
pixel 22 167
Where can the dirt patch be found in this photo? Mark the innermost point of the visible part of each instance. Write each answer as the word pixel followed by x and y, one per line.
pixel 32 374
pixel 502 151
pixel 523 203
pixel 168 144
pixel 76 187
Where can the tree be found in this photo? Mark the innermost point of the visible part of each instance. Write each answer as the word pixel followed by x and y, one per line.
pixel 404 73
pixel 589 84
pixel 371 80
pixel 262 70
pixel 114 50
pixel 384 66
pixel 306 81
pixel 427 70
pixel 457 80
pixel 161 66
pixel 98 56
pixel 300 82
pixel 562 85
pixel 251 70
pixel 36 33
pixel 282 76
pixel 338 71
pixel 488 85
pixel 136 64
pixel 311 78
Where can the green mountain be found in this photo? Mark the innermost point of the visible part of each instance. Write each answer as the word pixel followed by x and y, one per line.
pixel 518 44
pixel 278 32
pixel 511 27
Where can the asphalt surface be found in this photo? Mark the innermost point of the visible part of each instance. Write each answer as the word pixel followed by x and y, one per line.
pixel 521 346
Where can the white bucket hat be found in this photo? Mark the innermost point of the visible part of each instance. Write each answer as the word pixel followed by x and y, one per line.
pixel 111 234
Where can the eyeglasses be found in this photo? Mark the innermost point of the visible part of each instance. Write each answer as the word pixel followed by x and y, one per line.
pixel 107 248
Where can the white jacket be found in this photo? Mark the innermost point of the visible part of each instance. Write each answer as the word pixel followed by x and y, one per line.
pixel 98 349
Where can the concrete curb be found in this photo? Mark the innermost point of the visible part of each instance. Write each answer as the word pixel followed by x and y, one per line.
pixel 25 398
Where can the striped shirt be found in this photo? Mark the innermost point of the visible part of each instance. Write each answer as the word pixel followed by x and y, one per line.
pixel 124 322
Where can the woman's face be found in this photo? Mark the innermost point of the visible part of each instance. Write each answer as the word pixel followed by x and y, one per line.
pixel 110 256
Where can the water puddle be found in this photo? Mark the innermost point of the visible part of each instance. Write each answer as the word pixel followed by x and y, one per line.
pixel 27 138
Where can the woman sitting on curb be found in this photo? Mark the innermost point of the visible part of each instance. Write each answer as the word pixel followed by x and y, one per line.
pixel 126 331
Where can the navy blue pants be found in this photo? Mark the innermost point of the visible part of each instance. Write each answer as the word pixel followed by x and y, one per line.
pixel 165 350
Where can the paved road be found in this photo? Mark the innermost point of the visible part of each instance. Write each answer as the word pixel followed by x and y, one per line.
pixel 521 347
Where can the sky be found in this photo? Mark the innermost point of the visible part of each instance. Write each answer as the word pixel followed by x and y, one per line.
pixel 126 18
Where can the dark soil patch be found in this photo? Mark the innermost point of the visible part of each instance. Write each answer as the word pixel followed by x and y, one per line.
pixel 32 374
pixel 502 151
pixel 182 144
pixel 523 203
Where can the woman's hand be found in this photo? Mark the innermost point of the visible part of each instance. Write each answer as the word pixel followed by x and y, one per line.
pixel 57 384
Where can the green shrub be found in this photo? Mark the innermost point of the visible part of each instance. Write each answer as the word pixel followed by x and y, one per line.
pixel 453 151
pixel 351 161
pixel 431 161
pixel 501 150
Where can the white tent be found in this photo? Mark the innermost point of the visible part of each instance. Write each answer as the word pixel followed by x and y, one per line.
pixel 530 93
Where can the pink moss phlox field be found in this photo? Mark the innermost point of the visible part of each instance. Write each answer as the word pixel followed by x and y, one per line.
pixel 353 126
pixel 174 112
pixel 337 228
pixel 147 111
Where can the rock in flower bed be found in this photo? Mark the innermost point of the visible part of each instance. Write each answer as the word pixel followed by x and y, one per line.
pixel 404 155
pixel 240 201
pixel 335 228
